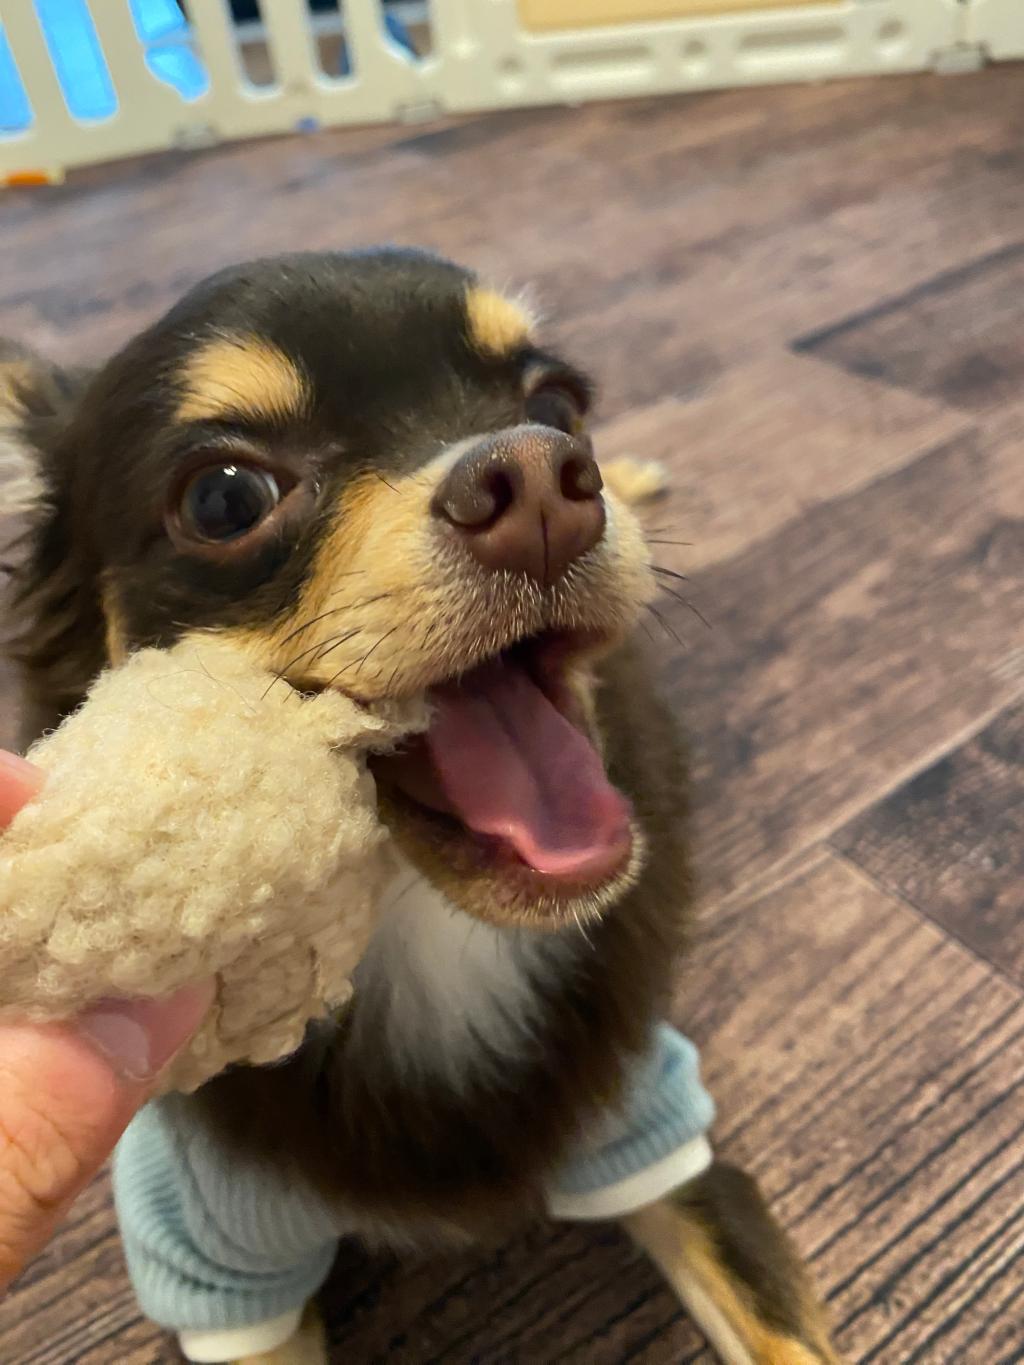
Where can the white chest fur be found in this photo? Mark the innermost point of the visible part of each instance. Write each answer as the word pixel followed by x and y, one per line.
pixel 450 994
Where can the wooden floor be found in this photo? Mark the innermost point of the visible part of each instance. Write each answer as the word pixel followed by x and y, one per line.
pixel 810 303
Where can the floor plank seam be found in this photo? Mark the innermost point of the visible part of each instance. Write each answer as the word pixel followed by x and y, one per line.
pixel 894 893
pixel 799 860
pixel 936 284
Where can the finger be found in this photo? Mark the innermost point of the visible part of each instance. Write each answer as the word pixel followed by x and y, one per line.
pixel 66 1094
pixel 19 782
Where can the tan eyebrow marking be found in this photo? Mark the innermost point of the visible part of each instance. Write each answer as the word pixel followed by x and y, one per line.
pixel 497 325
pixel 242 376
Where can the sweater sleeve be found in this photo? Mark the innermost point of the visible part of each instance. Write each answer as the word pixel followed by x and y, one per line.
pixel 214 1244
pixel 655 1141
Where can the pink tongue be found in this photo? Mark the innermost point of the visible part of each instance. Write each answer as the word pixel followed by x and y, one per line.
pixel 513 767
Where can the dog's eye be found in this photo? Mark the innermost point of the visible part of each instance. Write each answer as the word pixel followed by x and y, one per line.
pixel 227 501
pixel 555 405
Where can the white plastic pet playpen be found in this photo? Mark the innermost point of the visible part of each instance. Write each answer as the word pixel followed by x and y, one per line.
pixel 88 80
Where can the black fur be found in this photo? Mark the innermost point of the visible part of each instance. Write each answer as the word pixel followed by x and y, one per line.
pixel 380 336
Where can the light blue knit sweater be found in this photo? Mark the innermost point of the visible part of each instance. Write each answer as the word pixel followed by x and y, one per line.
pixel 213 1243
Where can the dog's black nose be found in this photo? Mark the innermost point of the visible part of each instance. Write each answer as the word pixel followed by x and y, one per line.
pixel 527 499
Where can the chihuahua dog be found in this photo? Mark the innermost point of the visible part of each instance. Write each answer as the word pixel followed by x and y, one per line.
pixel 368 470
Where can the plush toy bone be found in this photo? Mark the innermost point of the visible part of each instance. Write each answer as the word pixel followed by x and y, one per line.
pixel 199 818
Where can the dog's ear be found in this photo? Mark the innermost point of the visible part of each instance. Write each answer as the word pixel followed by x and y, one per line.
pixel 53 622
pixel 33 395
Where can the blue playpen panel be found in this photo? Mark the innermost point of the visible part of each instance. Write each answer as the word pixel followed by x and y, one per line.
pixel 82 71
pixel 15 110
pixel 80 66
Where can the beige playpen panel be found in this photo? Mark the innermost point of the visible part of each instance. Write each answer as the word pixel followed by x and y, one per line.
pixel 997 26
pixel 482 56
pixel 538 15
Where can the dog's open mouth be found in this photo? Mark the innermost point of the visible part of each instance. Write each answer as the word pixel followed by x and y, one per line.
pixel 509 763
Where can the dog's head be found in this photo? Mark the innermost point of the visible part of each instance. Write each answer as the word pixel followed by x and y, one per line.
pixel 366 470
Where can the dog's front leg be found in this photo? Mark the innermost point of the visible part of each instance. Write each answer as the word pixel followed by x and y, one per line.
pixel 735 1270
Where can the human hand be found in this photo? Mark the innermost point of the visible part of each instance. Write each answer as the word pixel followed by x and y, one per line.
pixel 68 1090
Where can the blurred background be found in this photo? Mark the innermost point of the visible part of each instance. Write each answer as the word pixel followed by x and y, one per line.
pixel 789 241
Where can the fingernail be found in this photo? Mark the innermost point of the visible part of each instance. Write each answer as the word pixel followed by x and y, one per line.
pixel 21 768
pixel 20 780
pixel 139 1037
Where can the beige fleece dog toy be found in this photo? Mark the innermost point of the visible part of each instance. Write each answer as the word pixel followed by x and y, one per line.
pixel 200 818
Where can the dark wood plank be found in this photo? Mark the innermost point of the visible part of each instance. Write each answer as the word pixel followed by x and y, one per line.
pixel 717 228
pixel 869 1071
pixel 848 650
pixel 529 1300
pixel 872 1073
pixel 955 336
pixel 951 842
pixel 768 441
pixel 75 1302
pixel 670 239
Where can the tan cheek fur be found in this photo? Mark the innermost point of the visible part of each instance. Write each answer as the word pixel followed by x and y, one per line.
pixel 115 633
pixel 392 605
pixel 371 615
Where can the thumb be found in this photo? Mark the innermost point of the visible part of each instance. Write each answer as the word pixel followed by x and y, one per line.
pixel 67 1092
pixel 19 782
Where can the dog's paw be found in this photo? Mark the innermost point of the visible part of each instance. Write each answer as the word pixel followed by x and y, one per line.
pixel 635 481
pixel 307 1347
